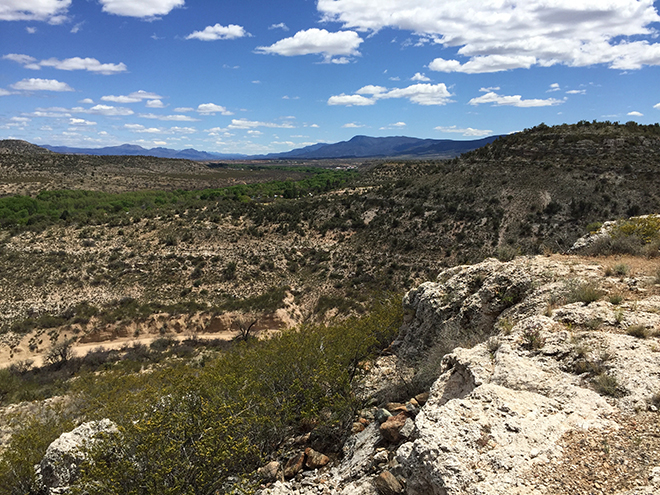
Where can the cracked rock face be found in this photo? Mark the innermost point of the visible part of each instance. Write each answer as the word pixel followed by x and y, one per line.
pixel 464 299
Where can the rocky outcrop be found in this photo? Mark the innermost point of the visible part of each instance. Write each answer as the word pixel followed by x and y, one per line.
pixel 550 392
pixel 464 302
pixel 61 463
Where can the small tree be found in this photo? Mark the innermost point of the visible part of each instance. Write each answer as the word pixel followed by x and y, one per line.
pixel 245 324
pixel 60 352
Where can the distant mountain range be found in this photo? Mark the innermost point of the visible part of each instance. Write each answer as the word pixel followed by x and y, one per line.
pixel 134 150
pixel 366 147
pixel 357 147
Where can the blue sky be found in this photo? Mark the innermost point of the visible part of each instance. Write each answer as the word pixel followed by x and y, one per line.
pixel 266 76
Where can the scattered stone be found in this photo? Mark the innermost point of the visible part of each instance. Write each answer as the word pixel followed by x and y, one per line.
pixel 315 459
pixel 294 465
pixel 381 457
pixel 390 429
pixel 269 471
pixel 302 439
pixel 408 429
pixel 382 415
pixel 422 398
pixel 357 427
pixel 395 407
pixel 387 484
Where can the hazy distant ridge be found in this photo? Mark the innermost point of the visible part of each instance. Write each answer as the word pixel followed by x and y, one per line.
pixel 365 147
pixel 357 147
pixel 133 150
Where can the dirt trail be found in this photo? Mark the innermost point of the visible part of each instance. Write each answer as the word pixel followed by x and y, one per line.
pixel 22 352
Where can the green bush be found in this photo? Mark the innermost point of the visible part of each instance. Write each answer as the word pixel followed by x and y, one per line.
pixel 645 228
pixel 26 448
pixel 186 429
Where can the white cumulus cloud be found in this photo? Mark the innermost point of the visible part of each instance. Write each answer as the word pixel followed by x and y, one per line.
pixel 467 131
pixel 75 63
pixel 421 94
pixel 396 125
pixel 252 124
pixel 371 90
pixel 155 104
pixel 317 41
pixel 142 8
pixel 280 25
pixel 134 97
pixel 169 118
pixel 78 122
pixel 107 110
pixel 350 100
pixel 212 109
pixel 514 101
pixel 219 32
pixel 420 77
pixel 36 84
pixel 53 11
pixel 88 64
pixel 25 60
pixel 657 106
pixel 635 114
pixel 496 35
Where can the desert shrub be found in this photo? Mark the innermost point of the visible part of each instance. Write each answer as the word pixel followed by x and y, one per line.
pixel 506 252
pixel 585 292
pixel 162 344
pixel 60 352
pixel 26 448
pixel 269 301
pixel 505 326
pixel 327 302
pixel 638 331
pixel 606 246
pixel 639 236
pixel 646 228
pixel 186 429
pixel 532 339
pixel 606 384
pixel 593 227
pixel 619 270
pixel 616 298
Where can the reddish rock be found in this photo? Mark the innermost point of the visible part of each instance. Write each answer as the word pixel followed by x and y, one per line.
pixel 294 466
pixel 390 429
pixel 357 428
pixel 395 406
pixel 387 484
pixel 315 459
pixel 422 398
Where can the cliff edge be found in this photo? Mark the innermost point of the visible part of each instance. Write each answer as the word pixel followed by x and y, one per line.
pixel 552 386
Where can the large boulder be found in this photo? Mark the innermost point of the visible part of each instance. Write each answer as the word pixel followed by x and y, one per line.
pixel 464 299
pixel 60 466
